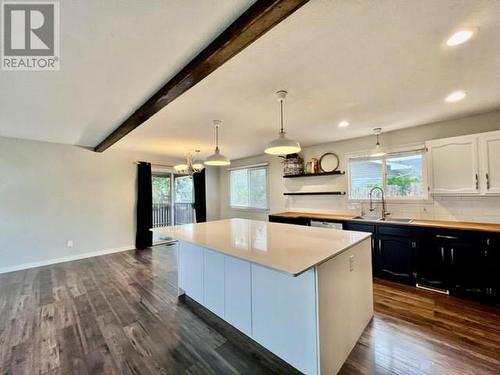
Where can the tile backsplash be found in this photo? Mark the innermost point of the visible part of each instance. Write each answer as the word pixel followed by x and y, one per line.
pixel 473 209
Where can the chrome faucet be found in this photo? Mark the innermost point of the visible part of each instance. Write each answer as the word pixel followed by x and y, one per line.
pixel 384 211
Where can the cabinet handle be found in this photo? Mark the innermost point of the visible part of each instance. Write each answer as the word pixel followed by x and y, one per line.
pixel 442 254
pixel 447 237
pixel 477 182
pixel 379 244
pixel 487 181
pixel 488 242
pixel 452 256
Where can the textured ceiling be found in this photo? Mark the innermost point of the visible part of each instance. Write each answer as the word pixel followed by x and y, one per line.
pixel 114 55
pixel 377 63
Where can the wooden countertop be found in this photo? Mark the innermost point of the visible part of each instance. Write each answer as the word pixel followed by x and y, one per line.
pixel 288 248
pixel 485 227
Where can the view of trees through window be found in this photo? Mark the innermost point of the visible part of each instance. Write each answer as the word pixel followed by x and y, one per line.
pixel 249 188
pixel 401 176
pixel 183 189
pixel 178 207
pixel 161 188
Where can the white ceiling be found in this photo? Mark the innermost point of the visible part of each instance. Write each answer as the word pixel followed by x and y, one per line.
pixel 374 63
pixel 114 55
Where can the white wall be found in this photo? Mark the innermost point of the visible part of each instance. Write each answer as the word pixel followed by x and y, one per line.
pixel 480 209
pixel 51 193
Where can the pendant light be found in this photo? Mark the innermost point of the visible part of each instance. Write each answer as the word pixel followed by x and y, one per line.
pixel 282 145
pixel 217 159
pixel 377 151
pixel 191 166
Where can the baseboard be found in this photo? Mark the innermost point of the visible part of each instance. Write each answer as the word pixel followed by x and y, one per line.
pixel 65 259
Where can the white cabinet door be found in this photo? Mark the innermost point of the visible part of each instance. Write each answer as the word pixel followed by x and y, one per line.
pixel 191 270
pixel 238 309
pixel 489 146
pixel 284 316
pixel 453 165
pixel 213 282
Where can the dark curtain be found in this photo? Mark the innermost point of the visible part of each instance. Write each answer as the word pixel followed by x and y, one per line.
pixel 200 199
pixel 144 237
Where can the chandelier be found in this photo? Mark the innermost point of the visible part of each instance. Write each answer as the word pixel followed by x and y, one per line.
pixel 191 166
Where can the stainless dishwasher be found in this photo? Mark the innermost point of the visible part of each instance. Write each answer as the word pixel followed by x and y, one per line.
pixel 325 224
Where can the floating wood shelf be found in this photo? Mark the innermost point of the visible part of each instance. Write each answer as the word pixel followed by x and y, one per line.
pixel 317 193
pixel 315 174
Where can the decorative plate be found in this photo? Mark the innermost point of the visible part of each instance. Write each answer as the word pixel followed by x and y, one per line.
pixel 329 162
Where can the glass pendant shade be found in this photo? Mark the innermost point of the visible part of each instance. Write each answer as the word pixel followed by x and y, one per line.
pixel 217 159
pixel 181 167
pixel 191 166
pixel 282 145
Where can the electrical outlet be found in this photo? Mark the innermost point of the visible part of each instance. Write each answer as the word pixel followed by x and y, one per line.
pixel 351 263
pixel 70 243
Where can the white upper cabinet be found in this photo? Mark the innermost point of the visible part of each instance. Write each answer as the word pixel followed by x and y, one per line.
pixel 453 165
pixel 489 150
pixel 468 165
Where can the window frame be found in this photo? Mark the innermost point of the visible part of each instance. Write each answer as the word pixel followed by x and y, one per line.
pixel 400 151
pixel 264 166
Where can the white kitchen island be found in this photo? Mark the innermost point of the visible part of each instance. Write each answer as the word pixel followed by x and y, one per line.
pixel 303 293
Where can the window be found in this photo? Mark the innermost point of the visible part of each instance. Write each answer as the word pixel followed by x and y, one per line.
pixel 400 175
pixel 248 187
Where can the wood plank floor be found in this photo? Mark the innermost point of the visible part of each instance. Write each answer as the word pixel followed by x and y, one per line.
pixel 119 314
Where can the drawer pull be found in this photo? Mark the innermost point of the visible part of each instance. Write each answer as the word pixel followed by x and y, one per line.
pixel 487 181
pixel 446 237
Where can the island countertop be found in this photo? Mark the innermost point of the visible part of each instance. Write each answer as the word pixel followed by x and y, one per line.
pixel 288 248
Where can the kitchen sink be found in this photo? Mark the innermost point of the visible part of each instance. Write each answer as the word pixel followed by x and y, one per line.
pixel 397 219
pixel 387 219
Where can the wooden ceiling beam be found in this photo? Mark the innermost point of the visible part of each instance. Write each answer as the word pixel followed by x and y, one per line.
pixel 259 18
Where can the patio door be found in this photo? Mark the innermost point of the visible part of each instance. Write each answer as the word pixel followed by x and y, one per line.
pixel 183 200
pixel 173 199
pixel 162 199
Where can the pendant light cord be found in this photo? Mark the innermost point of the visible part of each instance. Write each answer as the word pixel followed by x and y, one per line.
pixel 216 136
pixel 281 116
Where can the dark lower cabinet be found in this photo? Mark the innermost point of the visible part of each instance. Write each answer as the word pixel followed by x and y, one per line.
pixel 431 265
pixel 395 258
pixel 467 268
pixel 460 262
pixel 290 220
pixel 456 262
pixel 492 265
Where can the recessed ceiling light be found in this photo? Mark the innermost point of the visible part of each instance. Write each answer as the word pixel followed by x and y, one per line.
pixel 459 37
pixel 455 96
pixel 343 124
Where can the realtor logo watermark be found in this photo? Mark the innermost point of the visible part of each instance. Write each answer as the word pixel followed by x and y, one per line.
pixel 30 35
